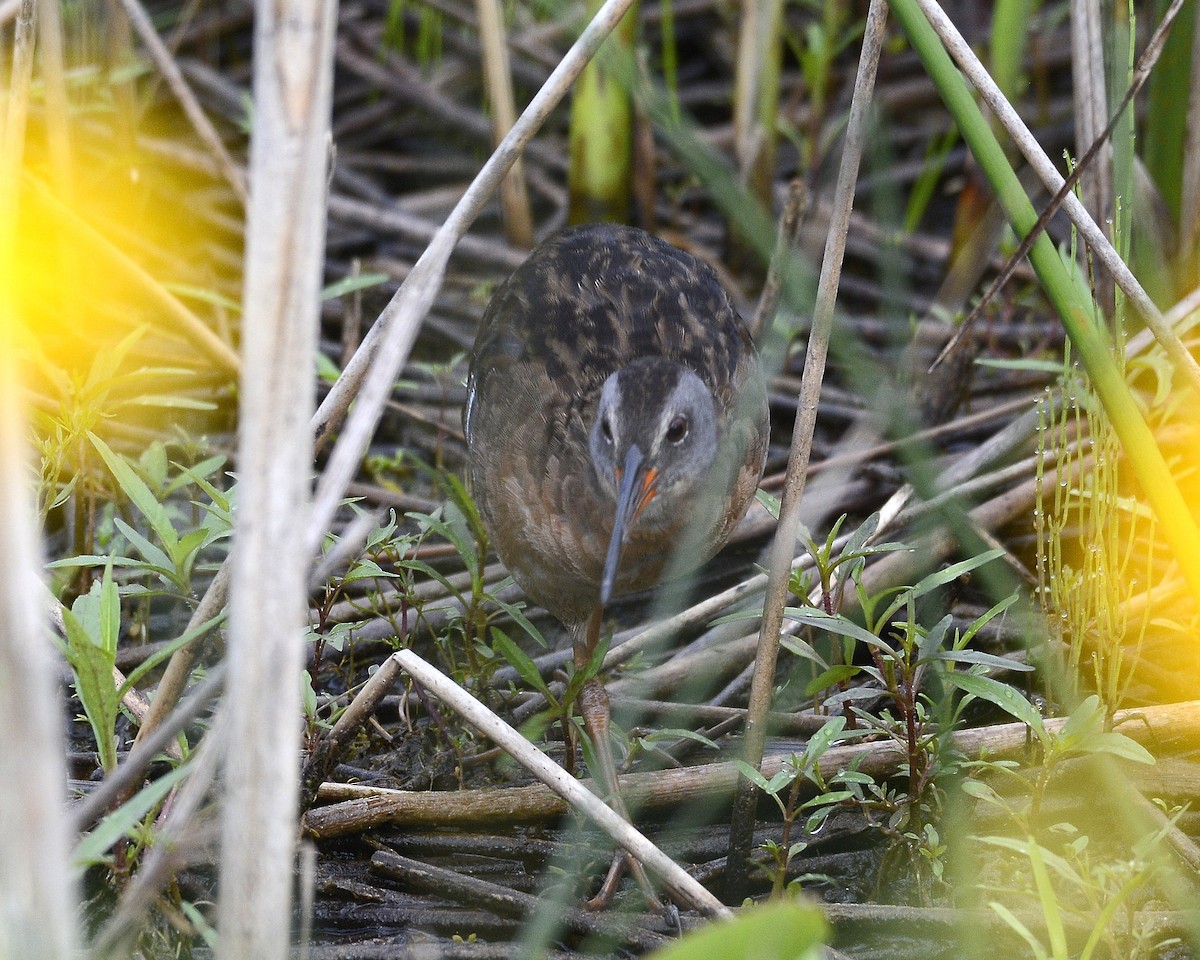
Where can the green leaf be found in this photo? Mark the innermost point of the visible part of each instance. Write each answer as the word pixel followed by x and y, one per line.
pixel 931 643
pixel 110 613
pixel 95 560
pixel 148 550
pixel 526 669
pixel 353 284
pixel 1029 364
pixel 92 667
pixel 366 569
pixel 1087 717
pixel 520 619
pixel 824 738
pixel 981 791
pixel 859 537
pixel 982 621
pixel 420 566
pixel 171 401
pixel 835 624
pixel 380 534
pixel 453 527
pixel 198 920
pixel 92 848
pixel 802 648
pixel 753 774
pixel 219 500
pixel 834 675
pixel 677 733
pixel 184 554
pixel 153 462
pixel 1000 694
pixel 1039 952
pixel 770 502
pixel 983 659
pixel 138 493
pixel 204 295
pixel 1118 745
pixel 327 370
pixel 828 799
pixel 105 363
pixel 951 573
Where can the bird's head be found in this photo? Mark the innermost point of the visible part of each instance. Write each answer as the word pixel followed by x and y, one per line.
pixel 652 444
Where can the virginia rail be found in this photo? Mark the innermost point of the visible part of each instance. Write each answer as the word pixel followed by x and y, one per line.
pixel 617 427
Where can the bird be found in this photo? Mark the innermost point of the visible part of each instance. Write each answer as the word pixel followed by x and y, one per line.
pixel 617 429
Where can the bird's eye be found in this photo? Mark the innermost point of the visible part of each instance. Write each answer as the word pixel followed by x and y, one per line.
pixel 677 429
pixel 606 429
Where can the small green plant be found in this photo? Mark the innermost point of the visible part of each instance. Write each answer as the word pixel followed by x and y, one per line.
pixel 831 792
pixel 836 570
pixel 164 551
pixel 79 404
pixel 459 523
pixel 92 626
pixel 898 693
pixel 161 519
pixel 1069 879
pixel 559 707
pixel 164 555
pixel 816 48
pixel 908 675
pixel 1092 541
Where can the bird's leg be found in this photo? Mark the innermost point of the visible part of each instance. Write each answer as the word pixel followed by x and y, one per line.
pixel 594 706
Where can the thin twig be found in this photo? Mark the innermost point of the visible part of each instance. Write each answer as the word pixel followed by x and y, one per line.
pixel 183 93
pixel 783 547
pixel 557 779
pixel 785 243
pixel 514 197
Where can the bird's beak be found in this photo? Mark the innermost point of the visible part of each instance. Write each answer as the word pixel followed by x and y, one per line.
pixel 637 486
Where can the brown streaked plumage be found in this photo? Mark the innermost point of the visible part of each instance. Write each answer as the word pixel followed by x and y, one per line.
pixel 612 385
pixel 590 302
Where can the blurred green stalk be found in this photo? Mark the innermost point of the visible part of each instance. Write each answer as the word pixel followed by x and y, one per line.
pixel 600 167
pixel 1067 293
pixel 1166 136
pixel 1010 31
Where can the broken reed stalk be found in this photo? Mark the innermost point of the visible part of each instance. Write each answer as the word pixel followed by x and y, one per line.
pixel 268 603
